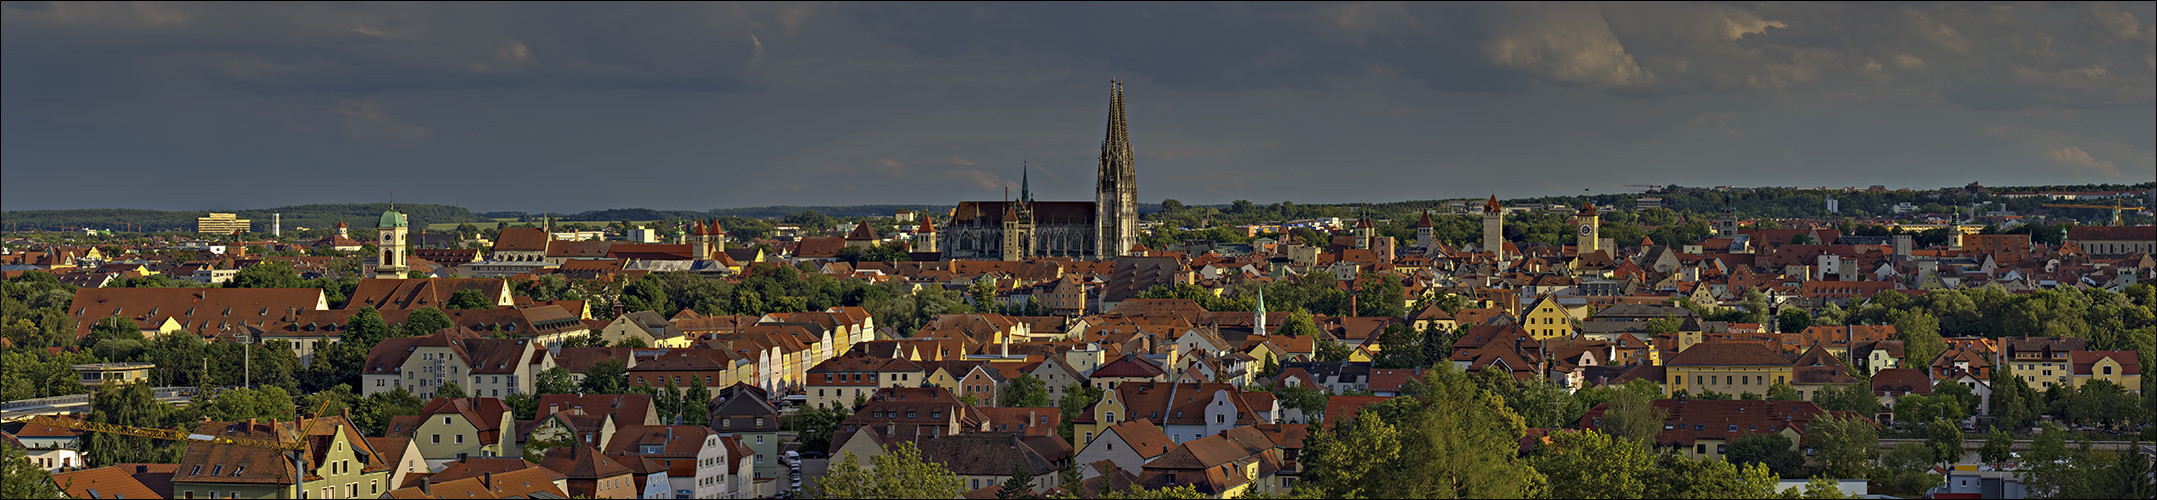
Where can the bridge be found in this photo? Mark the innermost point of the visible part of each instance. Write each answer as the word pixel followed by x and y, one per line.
pixel 75 404
pixel 2022 444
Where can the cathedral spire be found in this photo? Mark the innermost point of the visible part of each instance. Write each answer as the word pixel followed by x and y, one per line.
pixel 1026 193
pixel 1116 195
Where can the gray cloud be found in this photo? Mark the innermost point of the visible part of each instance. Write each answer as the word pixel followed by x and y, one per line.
pixel 705 105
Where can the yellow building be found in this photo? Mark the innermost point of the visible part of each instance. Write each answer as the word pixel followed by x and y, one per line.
pixel 1547 318
pixel 2119 367
pixel 458 428
pixel 1726 367
pixel 2041 362
pixel 222 223
pixel 118 373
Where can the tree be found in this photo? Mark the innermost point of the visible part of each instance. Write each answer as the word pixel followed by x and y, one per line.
pixel 365 329
pixel 272 274
pixel 130 405
pixel 373 412
pixel 1330 351
pixel 449 390
pixel 19 478
pixel 815 426
pixel 1075 400
pixel 1906 469
pixel 241 404
pixel 426 320
pixel 1794 320
pixel 1920 334
pixel 898 473
pixel 1633 415
pixel 1773 450
pixel 2013 403
pixel 1337 459
pixel 536 444
pixel 1920 410
pixel 604 377
pixel 1299 323
pixel 469 299
pixel 1999 447
pixel 1456 441
pixel 1020 485
pixel 1846 446
pixel 1674 476
pixel 1026 391
pixel 1857 398
pixel 696 403
pixel 556 380
pixel 1945 440
pixel 1591 464
pixel 1784 392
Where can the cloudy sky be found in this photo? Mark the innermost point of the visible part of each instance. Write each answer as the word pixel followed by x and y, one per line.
pixel 566 107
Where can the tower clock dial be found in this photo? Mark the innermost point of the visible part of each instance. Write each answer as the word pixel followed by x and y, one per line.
pixel 1586 229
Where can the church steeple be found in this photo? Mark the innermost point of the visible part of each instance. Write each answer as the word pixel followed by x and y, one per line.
pixel 1259 322
pixel 1026 192
pixel 1116 196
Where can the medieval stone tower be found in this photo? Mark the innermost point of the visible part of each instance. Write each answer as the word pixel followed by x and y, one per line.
pixel 1116 199
pixel 1590 229
pixel 1494 228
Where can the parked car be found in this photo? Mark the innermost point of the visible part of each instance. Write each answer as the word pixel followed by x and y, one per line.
pixel 790 458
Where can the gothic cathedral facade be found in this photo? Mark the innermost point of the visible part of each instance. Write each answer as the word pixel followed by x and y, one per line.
pixel 1019 229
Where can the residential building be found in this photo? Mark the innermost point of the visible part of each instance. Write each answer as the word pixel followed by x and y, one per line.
pixel 337 462
pixel 455 428
pixel 1726 367
pixel 482 366
pixel 591 474
pixel 1704 429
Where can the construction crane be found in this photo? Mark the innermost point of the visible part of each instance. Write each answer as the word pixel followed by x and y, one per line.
pixel 294 447
pixel 2116 207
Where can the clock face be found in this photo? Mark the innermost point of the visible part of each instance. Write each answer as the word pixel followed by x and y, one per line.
pixel 1586 229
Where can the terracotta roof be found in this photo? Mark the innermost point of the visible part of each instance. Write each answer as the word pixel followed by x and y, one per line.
pixel 2086 361
pixel 1725 354
pixel 583 462
pixel 627 409
pixel 523 239
pixel 200 310
pixel 1131 365
pixel 128 480
pixel 2112 233
pixel 1143 437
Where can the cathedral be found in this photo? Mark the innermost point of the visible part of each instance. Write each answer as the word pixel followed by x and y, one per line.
pixel 1021 228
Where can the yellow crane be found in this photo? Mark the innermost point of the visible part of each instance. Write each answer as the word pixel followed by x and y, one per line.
pixel 2116 207
pixel 295 446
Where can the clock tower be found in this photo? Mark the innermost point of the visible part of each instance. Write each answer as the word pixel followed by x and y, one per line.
pixel 1590 230
pixel 390 240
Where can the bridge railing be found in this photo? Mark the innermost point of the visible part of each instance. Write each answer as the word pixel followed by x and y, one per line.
pixel 84 399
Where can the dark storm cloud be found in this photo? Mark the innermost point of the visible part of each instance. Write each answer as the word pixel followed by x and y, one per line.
pixel 570 106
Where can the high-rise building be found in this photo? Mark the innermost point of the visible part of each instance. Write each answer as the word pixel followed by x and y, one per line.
pixel 222 223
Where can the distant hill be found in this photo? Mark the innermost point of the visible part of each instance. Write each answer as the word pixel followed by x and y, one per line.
pixel 317 216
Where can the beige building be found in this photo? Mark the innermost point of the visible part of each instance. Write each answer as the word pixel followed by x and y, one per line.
pixel 452 429
pixel 337 462
pixel 486 367
pixel 222 223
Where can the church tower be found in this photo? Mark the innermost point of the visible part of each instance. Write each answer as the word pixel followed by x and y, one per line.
pixel 1259 321
pixel 925 235
pixel 1116 198
pixel 1494 228
pixel 391 233
pixel 699 248
pixel 1590 229
pixel 1424 233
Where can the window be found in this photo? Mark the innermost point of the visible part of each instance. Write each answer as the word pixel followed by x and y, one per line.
pixel 445 420
pixel 436 439
pixel 2108 370
pixel 460 439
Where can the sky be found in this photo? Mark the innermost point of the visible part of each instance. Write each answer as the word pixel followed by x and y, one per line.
pixel 567 107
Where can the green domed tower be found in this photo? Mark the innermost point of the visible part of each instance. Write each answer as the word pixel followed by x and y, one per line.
pixel 391 232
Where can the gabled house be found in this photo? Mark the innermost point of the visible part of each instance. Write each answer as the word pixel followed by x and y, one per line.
pixel 455 428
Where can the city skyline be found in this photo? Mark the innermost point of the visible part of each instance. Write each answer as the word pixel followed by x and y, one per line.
pixel 570 107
